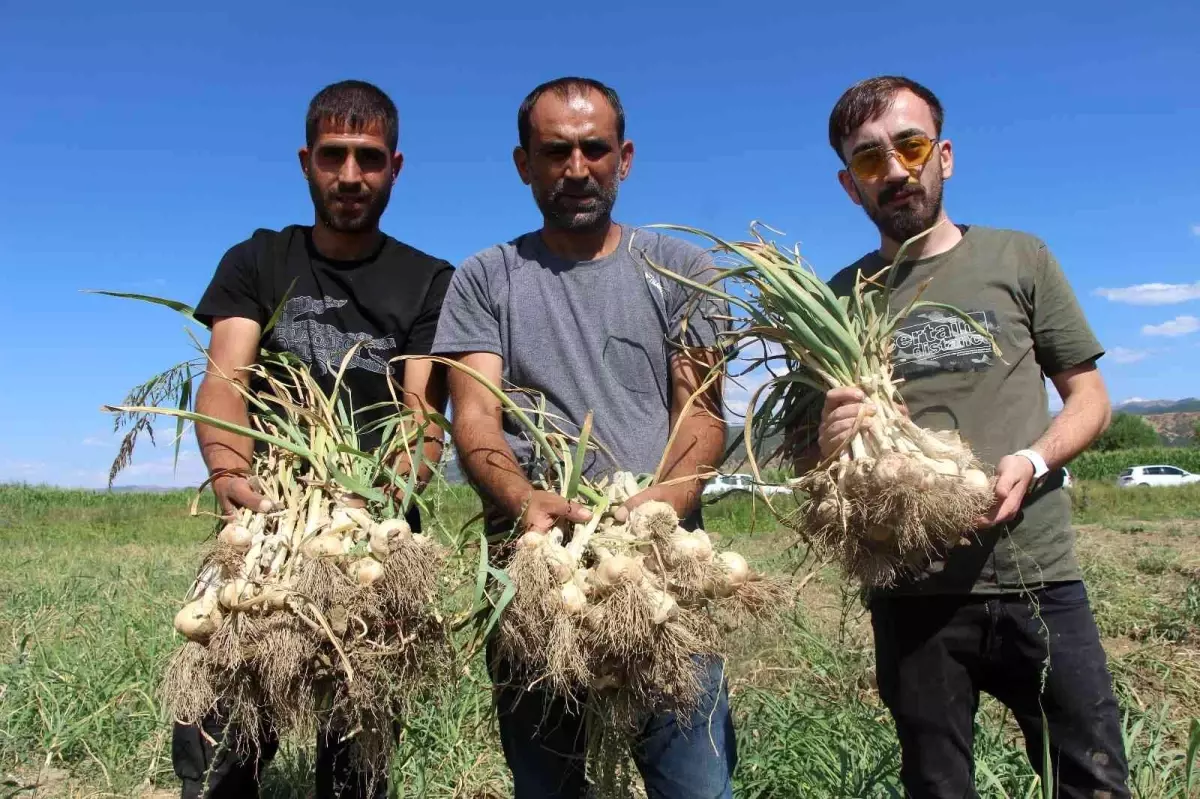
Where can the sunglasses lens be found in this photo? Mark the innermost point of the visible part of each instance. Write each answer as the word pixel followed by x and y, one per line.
pixel 867 164
pixel 914 151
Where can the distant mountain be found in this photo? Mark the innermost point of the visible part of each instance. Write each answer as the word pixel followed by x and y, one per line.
pixel 1175 429
pixel 735 447
pixel 1147 407
pixel 144 489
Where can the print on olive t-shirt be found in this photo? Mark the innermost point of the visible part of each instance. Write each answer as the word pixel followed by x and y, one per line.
pixel 1009 283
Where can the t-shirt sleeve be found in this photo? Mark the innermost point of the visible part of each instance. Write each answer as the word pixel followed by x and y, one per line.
pixel 233 289
pixel 695 318
pixel 424 329
pixel 1062 337
pixel 468 321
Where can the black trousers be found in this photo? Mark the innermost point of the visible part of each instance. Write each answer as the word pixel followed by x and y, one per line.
pixel 210 770
pixel 1038 653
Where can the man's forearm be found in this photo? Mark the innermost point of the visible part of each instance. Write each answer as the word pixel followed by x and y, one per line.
pixel 1084 416
pixel 431 454
pixel 490 464
pixel 220 449
pixel 693 456
pixel 430 443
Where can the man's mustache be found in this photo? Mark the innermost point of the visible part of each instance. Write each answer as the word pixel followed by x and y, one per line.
pixel 589 189
pixel 895 190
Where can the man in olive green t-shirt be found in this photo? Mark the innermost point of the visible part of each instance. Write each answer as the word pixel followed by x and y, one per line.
pixel 980 615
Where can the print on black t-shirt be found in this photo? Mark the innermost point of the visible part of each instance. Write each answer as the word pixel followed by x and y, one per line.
pixel 323 346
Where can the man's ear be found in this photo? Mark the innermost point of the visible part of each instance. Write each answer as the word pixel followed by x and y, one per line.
pixel 946 154
pixel 521 161
pixel 849 186
pixel 304 160
pixel 397 164
pixel 626 158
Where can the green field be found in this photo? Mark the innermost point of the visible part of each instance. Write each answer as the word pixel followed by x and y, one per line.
pixel 92 581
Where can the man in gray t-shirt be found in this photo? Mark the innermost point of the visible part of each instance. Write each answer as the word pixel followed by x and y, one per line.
pixel 574 313
pixel 585 335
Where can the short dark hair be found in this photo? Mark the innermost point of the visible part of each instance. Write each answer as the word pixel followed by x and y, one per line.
pixel 564 88
pixel 871 98
pixel 354 104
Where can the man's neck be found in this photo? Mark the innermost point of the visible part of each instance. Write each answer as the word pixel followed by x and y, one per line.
pixel 575 245
pixel 939 240
pixel 338 246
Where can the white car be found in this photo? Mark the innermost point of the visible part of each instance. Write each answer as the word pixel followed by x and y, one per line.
pixel 1156 476
pixel 723 484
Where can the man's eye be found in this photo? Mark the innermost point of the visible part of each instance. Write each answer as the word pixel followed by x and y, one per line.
pixel 331 155
pixel 371 159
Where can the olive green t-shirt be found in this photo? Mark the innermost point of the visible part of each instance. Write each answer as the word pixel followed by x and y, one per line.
pixel 952 380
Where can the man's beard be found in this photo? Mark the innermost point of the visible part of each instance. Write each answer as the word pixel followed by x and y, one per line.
pixel 558 214
pixel 902 223
pixel 366 217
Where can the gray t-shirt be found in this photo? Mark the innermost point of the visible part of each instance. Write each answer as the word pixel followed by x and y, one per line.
pixel 585 336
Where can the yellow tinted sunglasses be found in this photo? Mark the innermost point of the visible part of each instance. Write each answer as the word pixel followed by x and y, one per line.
pixel 912 153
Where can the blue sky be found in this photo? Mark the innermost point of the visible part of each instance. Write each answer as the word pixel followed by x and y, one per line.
pixel 141 142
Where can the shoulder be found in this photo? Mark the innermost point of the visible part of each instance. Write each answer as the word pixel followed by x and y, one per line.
pixel 1023 256
pixel 252 250
pixel 413 259
pixel 494 262
pixel 1005 240
pixel 843 280
pixel 669 252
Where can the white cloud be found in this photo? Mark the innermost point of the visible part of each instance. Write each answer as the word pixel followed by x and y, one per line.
pixel 1126 355
pixel 160 474
pixel 1196 230
pixel 94 441
pixel 736 408
pixel 1153 293
pixel 739 390
pixel 1179 326
pixel 747 374
pixel 22 468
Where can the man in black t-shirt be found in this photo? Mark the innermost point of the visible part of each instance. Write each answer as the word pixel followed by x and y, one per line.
pixel 345 282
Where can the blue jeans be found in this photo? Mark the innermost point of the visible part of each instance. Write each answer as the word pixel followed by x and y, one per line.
pixel 544 744
pixel 934 654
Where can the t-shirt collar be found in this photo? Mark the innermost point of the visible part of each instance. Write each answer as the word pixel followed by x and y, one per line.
pixel 315 254
pixel 542 250
pixel 914 263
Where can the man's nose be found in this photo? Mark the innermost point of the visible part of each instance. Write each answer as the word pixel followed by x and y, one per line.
pixel 896 170
pixel 350 173
pixel 577 168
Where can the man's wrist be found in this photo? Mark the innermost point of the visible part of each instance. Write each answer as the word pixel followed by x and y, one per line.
pixel 681 496
pixel 227 472
pixel 1040 467
pixel 514 498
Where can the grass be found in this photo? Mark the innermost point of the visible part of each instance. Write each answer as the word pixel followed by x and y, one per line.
pixel 92 581
pixel 1103 502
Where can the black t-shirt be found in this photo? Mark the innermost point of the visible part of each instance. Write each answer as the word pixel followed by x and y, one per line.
pixel 390 299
